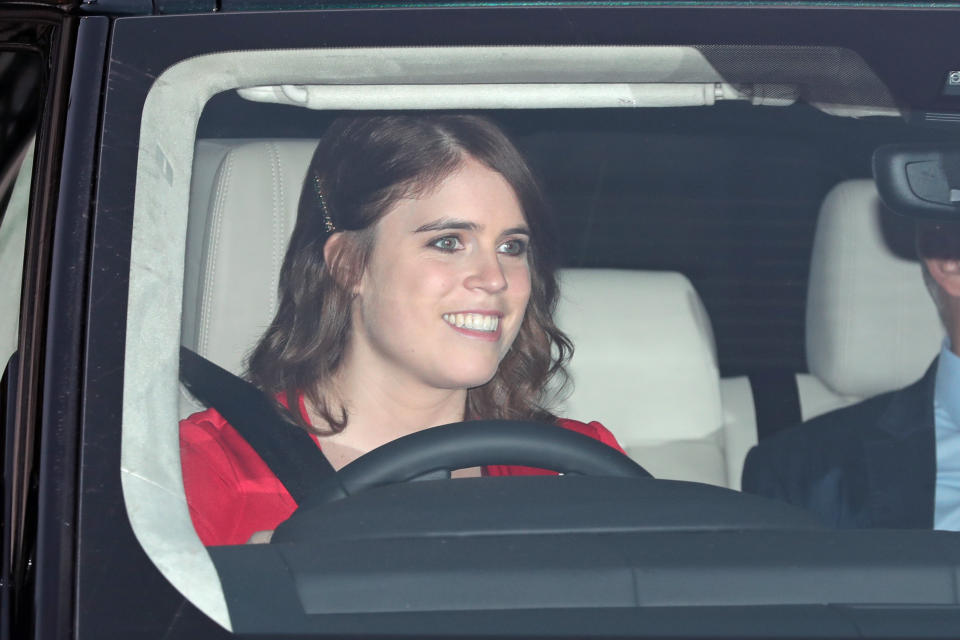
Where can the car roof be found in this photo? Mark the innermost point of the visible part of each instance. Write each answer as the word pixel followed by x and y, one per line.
pixel 174 7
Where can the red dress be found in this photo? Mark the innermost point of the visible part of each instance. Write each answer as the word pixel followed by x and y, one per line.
pixel 232 493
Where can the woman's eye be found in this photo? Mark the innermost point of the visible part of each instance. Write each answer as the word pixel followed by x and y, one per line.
pixel 447 243
pixel 513 247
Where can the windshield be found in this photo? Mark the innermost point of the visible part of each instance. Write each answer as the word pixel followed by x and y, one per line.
pixel 674 253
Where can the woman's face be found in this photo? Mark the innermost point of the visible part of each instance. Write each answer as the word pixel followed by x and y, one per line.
pixel 447 283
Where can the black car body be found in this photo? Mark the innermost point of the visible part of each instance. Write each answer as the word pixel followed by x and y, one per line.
pixel 78 79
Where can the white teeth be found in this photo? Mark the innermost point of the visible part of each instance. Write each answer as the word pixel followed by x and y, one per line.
pixel 473 321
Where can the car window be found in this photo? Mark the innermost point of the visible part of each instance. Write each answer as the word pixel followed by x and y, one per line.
pixel 20 78
pixel 13 229
pixel 628 190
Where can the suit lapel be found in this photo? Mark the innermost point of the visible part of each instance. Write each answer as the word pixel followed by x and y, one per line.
pixel 900 459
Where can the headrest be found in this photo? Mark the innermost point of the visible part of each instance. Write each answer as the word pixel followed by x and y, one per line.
pixel 251 213
pixel 871 324
pixel 644 360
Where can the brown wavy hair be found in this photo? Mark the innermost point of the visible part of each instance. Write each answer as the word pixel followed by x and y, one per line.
pixel 362 167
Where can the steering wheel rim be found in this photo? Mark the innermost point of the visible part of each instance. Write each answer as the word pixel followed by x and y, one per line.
pixel 476 443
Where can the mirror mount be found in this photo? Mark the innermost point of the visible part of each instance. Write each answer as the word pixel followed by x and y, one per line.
pixel 919 181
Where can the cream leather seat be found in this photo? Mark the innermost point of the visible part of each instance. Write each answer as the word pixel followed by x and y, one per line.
pixel 871 324
pixel 645 365
pixel 244 200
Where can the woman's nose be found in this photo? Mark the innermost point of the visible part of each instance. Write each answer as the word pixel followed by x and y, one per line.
pixel 487 273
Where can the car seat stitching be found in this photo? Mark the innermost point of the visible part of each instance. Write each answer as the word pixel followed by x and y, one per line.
pixel 841 336
pixel 278 225
pixel 216 223
pixel 848 265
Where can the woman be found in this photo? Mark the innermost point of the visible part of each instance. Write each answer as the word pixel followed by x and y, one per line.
pixel 417 290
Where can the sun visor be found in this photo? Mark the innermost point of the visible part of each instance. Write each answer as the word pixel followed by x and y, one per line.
pixel 517 96
pixel 834 80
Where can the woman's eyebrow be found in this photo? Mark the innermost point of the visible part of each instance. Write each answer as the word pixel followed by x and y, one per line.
pixel 447 223
pixel 444 224
pixel 514 231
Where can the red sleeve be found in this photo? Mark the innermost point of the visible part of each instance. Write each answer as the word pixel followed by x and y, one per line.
pixel 209 480
pixel 230 491
pixel 593 429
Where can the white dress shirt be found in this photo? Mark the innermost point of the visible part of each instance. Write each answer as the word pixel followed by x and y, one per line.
pixel 946 407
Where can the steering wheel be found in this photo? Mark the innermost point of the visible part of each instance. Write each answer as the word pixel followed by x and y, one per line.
pixel 598 503
pixel 471 444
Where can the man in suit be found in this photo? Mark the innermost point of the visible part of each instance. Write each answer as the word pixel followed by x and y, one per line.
pixel 892 461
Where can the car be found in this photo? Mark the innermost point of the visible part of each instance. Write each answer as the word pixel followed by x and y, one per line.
pixel 729 270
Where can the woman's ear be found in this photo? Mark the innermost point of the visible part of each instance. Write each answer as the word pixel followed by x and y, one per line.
pixel 343 260
pixel 332 249
pixel 946 273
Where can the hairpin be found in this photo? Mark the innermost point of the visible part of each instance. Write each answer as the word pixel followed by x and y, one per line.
pixel 327 220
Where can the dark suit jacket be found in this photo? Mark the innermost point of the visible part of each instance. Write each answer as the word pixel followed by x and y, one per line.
pixel 872 464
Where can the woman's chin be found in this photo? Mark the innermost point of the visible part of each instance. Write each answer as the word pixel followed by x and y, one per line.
pixel 469 377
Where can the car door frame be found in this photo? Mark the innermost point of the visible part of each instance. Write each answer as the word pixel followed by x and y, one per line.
pixel 43 395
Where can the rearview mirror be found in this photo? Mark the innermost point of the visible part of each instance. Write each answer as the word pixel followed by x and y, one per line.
pixel 919 181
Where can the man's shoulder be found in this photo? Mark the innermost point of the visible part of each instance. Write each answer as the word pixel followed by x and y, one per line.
pixel 848 422
pixel 824 464
pixel 800 463
pixel 833 440
pixel 841 422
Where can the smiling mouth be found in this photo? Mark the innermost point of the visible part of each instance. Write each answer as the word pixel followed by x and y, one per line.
pixel 473 321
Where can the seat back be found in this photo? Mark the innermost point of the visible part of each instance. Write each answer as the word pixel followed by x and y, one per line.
pixel 236 243
pixel 871 325
pixel 645 365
